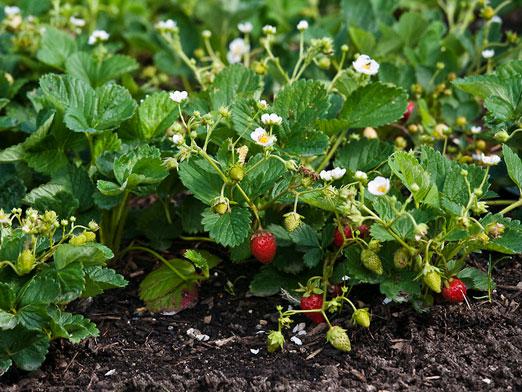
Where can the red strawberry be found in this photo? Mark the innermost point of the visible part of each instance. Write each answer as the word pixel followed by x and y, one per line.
pixel 263 246
pixel 363 231
pixel 338 237
pixel 409 110
pixel 310 302
pixel 454 290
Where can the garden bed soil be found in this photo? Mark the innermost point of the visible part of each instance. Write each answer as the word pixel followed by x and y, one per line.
pixel 452 348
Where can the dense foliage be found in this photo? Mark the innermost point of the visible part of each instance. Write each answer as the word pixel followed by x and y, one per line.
pixel 338 143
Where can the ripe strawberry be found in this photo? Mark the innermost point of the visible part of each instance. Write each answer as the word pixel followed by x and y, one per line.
pixel 263 246
pixel 454 290
pixel 338 338
pixel 363 231
pixel 310 302
pixel 432 280
pixel 372 261
pixel 338 237
pixel 409 110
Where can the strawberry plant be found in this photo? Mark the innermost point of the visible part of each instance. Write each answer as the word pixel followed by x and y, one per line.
pixel 337 143
pixel 46 263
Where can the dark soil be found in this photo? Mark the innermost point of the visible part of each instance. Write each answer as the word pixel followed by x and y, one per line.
pixel 453 348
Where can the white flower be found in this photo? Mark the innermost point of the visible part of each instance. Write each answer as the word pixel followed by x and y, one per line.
pixel 178 96
pixel 302 25
pixel 379 186
pixel 366 65
pixel 488 53
pixel 496 19
pixel 236 50
pixel 334 174
pixel 77 22
pixel 490 160
pixel 269 29
pixel 345 278
pixel 11 11
pixel 245 27
pixel 261 137
pixel 360 175
pixel 476 129
pixel 178 139
pixel 168 25
pixel 296 340
pixel 262 104
pixel 271 119
pixel 98 36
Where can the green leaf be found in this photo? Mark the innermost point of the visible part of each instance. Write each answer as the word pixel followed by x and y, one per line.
pixel 411 173
pixel 301 104
pixel 33 317
pixel 99 279
pixel 229 229
pixel 269 281
pixel 52 197
pixel 87 67
pixel 201 179
pixel 364 155
pixel 155 114
pixel 56 47
pixel 262 177
pixel 514 166
pixel 232 83
pixel 7 320
pixel 89 254
pixel 374 105
pixel 191 210
pixel 165 290
pixel 475 279
pixel 140 166
pixel 70 326
pixel 53 285
pixel 102 109
pixel 26 349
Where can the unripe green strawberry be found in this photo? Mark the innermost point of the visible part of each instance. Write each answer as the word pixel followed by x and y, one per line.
pixel 78 240
pixel 433 281
pixel 362 317
pixel 221 205
pixel 401 258
pixel 338 338
pixel 275 341
pixel 220 208
pixel 26 262
pixel 236 173
pixel 89 236
pixel 292 221
pixel 372 261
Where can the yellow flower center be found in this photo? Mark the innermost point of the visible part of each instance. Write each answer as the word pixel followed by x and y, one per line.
pixel 264 139
pixel 367 66
pixel 382 188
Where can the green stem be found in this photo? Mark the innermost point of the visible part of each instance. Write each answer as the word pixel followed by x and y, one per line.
pixel 159 257
pixel 512 207
pixel 332 151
